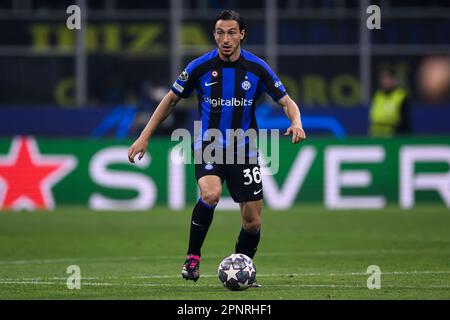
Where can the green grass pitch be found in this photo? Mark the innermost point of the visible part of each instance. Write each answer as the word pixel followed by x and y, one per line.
pixel 305 253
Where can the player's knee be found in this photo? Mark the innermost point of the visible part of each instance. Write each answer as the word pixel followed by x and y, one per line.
pixel 252 226
pixel 211 197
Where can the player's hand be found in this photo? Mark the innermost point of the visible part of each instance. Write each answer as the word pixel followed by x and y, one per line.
pixel 298 134
pixel 138 147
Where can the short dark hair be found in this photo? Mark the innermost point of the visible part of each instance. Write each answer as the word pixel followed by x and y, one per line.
pixel 231 15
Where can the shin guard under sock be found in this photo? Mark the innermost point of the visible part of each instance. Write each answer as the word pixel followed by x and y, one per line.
pixel 202 217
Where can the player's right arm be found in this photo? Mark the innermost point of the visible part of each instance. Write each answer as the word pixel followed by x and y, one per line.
pixel 163 110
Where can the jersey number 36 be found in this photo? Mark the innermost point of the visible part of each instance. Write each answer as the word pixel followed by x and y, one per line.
pixel 251 176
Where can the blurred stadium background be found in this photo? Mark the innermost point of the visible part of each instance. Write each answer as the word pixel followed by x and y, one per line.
pixel 72 101
pixel 129 52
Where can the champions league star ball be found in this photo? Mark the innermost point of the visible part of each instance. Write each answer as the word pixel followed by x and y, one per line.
pixel 237 272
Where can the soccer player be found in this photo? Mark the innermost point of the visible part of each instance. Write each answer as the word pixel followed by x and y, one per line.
pixel 228 80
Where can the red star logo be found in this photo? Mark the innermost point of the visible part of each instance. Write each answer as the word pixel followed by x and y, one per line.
pixel 26 176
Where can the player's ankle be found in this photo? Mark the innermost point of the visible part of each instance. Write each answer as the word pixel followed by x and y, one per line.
pixel 193 256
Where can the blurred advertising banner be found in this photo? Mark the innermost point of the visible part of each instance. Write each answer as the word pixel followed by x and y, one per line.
pixel 356 173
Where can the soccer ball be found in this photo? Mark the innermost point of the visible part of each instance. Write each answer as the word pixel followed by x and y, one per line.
pixel 237 272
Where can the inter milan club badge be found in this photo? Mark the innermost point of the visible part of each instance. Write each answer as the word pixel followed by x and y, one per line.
pixel 208 166
pixel 246 85
pixel 214 74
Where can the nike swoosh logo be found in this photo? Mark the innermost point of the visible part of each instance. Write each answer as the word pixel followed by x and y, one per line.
pixel 196 224
pixel 210 84
pixel 256 192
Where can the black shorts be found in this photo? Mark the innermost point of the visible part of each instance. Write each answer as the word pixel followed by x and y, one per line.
pixel 243 180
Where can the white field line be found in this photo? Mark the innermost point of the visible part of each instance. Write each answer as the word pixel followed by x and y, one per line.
pixel 264 275
pixel 330 286
pixel 262 254
pixel 54 283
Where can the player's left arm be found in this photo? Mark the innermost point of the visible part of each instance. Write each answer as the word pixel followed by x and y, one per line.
pixel 293 113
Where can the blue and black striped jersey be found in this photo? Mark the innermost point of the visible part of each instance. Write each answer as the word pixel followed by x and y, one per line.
pixel 227 91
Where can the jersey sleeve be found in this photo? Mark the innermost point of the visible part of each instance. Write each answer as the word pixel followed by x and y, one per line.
pixel 185 83
pixel 271 84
